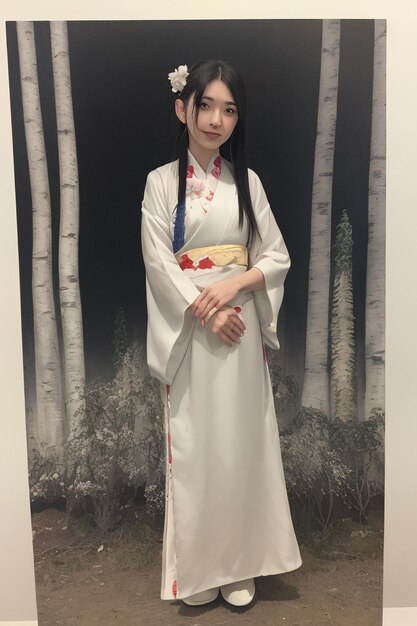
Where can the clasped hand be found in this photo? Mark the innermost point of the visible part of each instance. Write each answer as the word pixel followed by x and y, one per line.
pixel 215 295
pixel 225 323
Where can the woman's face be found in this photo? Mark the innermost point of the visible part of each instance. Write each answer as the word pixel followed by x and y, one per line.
pixel 216 119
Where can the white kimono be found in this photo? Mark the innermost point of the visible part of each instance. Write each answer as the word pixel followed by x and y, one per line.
pixel 227 516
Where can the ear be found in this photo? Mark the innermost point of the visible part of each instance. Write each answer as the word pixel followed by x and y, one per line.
pixel 180 110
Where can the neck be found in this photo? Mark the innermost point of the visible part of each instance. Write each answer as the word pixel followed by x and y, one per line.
pixel 201 155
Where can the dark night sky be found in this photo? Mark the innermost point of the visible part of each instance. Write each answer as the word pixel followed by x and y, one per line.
pixel 122 103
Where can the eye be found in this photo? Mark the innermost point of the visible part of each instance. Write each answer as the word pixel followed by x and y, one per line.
pixel 230 111
pixel 204 105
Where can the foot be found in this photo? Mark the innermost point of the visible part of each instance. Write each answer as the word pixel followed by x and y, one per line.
pixel 203 597
pixel 239 593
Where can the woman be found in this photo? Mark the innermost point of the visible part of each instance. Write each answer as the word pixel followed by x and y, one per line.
pixel 215 264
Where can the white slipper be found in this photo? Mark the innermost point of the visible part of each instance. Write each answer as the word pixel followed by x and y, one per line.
pixel 239 593
pixel 203 597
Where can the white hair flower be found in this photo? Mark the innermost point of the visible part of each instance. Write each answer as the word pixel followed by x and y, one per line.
pixel 178 78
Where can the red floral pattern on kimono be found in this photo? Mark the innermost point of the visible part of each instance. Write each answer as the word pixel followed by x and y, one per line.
pixel 203 188
pixel 198 264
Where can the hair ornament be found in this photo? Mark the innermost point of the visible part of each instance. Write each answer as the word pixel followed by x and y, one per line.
pixel 178 78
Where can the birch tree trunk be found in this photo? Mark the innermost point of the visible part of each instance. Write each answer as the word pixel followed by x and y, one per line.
pixel 375 276
pixel 316 375
pixel 343 357
pixel 49 404
pixel 69 288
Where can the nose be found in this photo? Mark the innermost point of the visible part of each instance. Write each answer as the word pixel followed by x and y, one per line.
pixel 215 118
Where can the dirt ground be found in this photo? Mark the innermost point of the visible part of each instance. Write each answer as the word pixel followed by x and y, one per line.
pixel 86 577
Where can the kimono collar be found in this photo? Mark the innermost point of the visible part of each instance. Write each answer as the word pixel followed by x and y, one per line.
pixel 199 192
pixel 214 166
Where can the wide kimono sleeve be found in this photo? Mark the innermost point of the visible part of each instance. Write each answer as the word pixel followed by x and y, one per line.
pixel 169 291
pixel 269 254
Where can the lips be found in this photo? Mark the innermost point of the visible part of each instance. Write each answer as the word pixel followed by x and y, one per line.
pixel 210 134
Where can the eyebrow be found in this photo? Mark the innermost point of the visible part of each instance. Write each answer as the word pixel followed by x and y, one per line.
pixel 212 100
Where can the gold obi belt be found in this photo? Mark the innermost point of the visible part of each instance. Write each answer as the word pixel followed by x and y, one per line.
pixel 205 258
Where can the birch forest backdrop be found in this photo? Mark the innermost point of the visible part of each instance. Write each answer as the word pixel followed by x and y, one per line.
pixel 92 114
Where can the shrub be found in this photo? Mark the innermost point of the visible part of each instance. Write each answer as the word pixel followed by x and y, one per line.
pixel 328 460
pixel 315 473
pixel 46 475
pixel 102 453
pixel 360 446
pixel 152 446
pixel 117 445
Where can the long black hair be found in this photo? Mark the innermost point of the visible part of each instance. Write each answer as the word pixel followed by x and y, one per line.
pixel 200 75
